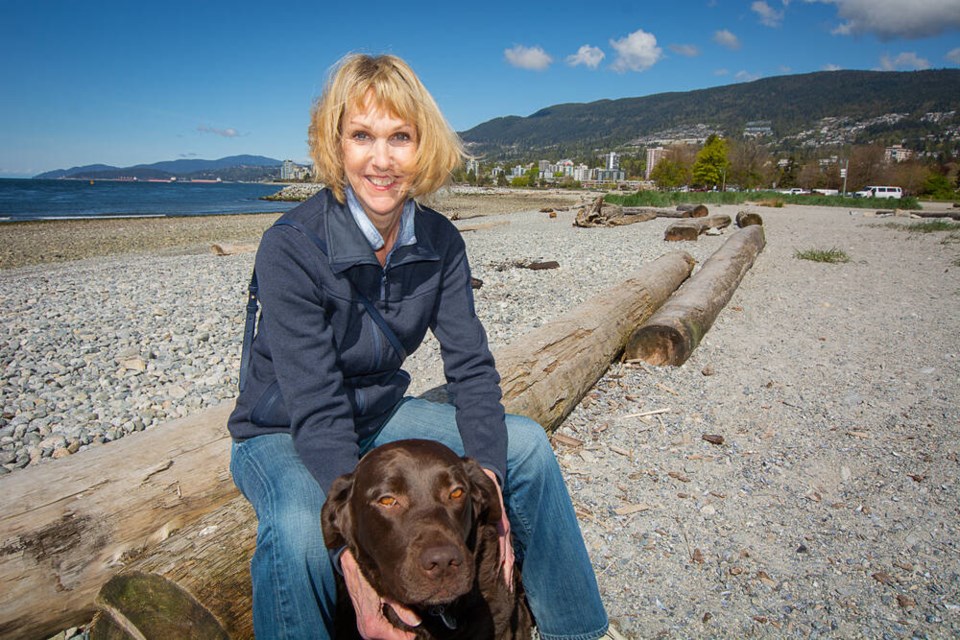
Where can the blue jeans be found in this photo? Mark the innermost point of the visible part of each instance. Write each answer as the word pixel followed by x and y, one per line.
pixel 293 579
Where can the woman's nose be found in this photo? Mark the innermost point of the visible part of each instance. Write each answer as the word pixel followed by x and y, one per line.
pixel 381 154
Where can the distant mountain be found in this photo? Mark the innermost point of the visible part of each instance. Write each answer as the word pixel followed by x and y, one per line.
pixel 62 173
pixel 785 107
pixel 241 167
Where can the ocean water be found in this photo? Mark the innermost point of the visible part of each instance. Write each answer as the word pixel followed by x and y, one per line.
pixel 64 199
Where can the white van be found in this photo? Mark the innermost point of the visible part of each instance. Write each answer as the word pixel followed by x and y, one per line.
pixel 880 192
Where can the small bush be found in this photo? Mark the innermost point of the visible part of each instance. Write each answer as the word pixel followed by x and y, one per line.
pixel 831 256
pixel 932 226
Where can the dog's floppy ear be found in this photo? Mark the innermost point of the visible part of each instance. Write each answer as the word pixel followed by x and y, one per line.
pixel 335 518
pixel 483 493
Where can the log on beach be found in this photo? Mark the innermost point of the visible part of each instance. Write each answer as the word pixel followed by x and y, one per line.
pixel 690 229
pixel 953 215
pixel 543 376
pixel 232 249
pixel 693 210
pixel 747 218
pixel 69 527
pixel 675 330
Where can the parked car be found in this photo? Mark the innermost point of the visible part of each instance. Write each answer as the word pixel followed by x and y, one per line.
pixel 796 191
pixel 880 192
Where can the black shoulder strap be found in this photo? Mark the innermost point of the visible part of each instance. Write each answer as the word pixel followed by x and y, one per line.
pixel 249 327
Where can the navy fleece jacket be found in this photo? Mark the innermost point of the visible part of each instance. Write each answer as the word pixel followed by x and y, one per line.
pixel 338 376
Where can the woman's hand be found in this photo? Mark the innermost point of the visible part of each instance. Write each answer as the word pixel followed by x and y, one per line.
pixel 368 605
pixel 503 530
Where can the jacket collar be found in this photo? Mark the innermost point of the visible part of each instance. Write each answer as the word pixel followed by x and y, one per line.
pixel 347 246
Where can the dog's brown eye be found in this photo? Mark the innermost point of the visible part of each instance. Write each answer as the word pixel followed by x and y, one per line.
pixel 387 501
pixel 456 494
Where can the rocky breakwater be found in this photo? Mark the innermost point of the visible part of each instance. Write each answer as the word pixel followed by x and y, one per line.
pixel 295 192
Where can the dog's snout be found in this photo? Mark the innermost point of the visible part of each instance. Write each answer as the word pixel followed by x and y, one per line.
pixel 439 558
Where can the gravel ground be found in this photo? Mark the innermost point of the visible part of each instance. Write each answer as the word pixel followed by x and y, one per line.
pixel 829 510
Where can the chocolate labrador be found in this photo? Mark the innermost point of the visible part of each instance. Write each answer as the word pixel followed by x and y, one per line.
pixel 422 524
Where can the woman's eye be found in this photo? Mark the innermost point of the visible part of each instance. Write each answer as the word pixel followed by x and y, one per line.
pixel 456 494
pixel 402 137
pixel 359 135
pixel 387 501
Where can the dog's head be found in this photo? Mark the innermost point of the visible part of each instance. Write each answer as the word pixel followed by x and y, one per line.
pixel 409 513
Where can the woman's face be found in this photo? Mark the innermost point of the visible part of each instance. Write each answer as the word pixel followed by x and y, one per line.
pixel 379 153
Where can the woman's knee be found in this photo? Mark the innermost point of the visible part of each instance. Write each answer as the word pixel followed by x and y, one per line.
pixel 291 533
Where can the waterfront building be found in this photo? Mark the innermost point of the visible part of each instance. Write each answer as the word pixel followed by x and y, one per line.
pixel 654 155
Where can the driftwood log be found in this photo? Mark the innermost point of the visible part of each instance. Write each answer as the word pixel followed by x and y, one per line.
pixel 747 218
pixel 954 215
pixel 675 330
pixel 601 214
pixel 690 229
pixel 693 210
pixel 230 249
pixel 67 528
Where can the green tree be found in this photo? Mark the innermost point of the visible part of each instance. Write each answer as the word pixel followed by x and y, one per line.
pixel 669 174
pixel 710 167
pixel 937 186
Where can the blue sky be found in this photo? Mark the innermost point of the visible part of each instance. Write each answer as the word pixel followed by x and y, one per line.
pixel 126 82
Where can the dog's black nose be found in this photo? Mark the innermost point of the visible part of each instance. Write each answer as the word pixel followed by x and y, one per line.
pixel 438 558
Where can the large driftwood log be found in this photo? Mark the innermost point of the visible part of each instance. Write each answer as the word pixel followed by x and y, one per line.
pixel 675 330
pixel 67 528
pixel 690 229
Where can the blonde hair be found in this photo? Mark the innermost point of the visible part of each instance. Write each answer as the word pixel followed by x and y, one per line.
pixel 387 82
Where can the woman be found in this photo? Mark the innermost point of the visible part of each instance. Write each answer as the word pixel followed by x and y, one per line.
pixel 325 385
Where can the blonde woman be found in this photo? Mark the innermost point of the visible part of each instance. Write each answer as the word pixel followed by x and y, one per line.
pixel 323 383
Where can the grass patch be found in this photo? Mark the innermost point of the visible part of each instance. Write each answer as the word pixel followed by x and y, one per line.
pixel 933 226
pixel 831 256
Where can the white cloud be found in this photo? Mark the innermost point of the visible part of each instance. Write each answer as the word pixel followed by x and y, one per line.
pixel 768 15
pixel 906 61
pixel 831 67
pixel 532 58
pixel 688 50
pixel 588 56
pixel 229 132
pixel 636 52
pixel 721 72
pixel 953 55
pixel 889 19
pixel 726 39
pixel 745 76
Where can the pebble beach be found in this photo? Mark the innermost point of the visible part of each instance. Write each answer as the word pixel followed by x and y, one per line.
pixel 827 507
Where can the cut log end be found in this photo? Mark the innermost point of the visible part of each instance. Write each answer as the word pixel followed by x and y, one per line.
pixel 144 605
pixel 657 345
pixel 748 218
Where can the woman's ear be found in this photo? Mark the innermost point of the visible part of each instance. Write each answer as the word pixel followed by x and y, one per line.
pixel 335 518
pixel 483 493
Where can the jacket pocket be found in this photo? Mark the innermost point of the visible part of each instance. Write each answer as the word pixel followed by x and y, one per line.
pixel 270 410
